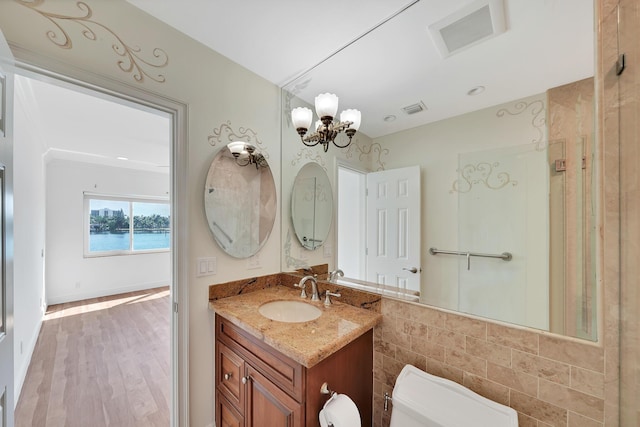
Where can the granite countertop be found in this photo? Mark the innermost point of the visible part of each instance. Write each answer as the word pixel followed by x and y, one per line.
pixel 307 342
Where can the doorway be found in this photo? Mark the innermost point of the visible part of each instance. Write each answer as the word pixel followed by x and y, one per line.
pixel 74 162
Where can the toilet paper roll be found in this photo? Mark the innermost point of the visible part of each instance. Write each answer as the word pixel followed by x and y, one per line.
pixel 340 411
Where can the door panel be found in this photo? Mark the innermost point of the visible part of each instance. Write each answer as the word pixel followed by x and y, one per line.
pixel 393 228
pixel 6 235
pixel 268 405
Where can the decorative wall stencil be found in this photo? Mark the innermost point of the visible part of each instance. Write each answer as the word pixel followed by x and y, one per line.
pixel 291 261
pixel 481 173
pixel 131 60
pixel 309 154
pixel 374 151
pixel 225 134
pixel 537 109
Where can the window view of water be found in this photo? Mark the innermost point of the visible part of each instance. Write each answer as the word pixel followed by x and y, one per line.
pixel 102 242
pixel 110 226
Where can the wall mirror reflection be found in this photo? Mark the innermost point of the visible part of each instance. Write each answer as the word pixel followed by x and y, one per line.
pixel 311 206
pixel 240 200
pixel 500 125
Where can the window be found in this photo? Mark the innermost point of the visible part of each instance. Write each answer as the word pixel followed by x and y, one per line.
pixel 110 231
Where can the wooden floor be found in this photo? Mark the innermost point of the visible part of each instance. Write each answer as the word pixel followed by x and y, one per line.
pixel 101 362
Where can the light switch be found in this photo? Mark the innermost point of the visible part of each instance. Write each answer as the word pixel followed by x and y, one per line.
pixel 206 266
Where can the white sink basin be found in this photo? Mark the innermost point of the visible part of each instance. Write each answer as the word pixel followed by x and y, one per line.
pixel 289 311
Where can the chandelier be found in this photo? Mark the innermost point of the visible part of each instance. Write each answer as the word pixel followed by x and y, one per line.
pixel 325 129
pixel 245 154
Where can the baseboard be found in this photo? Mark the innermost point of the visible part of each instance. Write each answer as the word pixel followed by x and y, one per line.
pixel 95 293
pixel 22 374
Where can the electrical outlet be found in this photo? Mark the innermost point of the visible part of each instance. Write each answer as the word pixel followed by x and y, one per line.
pixel 253 262
pixel 326 250
pixel 77 285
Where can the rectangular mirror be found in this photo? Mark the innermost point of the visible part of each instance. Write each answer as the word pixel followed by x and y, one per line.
pixel 503 132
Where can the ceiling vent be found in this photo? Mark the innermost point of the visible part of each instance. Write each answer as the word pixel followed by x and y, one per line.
pixel 414 108
pixel 476 22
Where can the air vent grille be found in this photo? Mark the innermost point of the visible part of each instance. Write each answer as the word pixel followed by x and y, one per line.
pixel 414 108
pixel 474 23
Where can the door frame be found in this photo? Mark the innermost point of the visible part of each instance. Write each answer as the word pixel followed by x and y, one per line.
pixel 46 69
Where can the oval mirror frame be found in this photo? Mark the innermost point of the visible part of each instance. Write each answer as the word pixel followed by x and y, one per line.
pixel 240 203
pixel 311 206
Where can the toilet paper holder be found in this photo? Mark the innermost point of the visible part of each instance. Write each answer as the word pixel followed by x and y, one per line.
pixel 324 389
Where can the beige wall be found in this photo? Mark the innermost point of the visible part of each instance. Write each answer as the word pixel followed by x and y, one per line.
pixel 502 362
pixel 218 93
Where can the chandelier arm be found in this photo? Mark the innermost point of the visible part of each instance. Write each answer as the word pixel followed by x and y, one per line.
pixel 304 141
pixel 342 146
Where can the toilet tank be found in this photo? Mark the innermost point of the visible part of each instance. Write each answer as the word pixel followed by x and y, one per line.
pixel 422 399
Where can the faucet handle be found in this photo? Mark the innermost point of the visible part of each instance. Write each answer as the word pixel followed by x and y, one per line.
pixel 327 295
pixel 303 293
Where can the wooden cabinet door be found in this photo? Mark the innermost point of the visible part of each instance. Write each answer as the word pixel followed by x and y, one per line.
pixel 226 414
pixel 268 405
pixel 229 372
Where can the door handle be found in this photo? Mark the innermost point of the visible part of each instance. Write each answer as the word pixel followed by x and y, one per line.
pixel 413 270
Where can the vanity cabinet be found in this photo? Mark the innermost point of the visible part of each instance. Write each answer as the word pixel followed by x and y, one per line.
pixel 257 385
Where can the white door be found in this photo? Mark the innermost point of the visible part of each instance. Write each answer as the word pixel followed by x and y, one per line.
pixel 6 233
pixel 393 228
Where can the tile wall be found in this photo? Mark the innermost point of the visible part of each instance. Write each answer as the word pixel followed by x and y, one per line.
pixel 549 380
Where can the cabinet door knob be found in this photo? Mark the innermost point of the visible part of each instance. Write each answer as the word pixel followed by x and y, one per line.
pixel 228 376
pixel 245 379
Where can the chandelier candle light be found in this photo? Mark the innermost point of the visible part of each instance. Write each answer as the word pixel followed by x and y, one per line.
pixel 326 130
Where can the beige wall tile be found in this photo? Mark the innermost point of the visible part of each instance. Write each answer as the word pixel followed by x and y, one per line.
pixel 412 327
pixel 538 409
pixel 513 337
pixel 577 420
pixel 573 400
pixel 519 381
pixel 544 368
pixel 485 350
pixel 466 325
pixel 428 348
pixel 484 387
pixel 408 357
pixel 424 315
pixel 384 347
pixel 466 362
pixel 587 381
pixel 447 338
pixel 440 369
pixel 582 354
pixel 526 421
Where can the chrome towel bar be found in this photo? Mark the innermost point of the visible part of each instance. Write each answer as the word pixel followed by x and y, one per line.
pixel 505 256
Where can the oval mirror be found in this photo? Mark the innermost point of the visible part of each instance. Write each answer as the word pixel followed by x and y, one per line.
pixel 240 201
pixel 311 206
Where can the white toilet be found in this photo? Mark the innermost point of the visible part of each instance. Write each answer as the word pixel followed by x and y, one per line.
pixel 424 400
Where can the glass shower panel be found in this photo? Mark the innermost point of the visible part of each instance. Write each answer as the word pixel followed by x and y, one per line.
pixel 503 207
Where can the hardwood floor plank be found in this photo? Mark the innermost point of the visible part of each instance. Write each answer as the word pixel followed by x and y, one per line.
pixel 101 362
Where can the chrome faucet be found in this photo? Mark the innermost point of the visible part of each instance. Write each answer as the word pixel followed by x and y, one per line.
pixel 314 288
pixel 334 273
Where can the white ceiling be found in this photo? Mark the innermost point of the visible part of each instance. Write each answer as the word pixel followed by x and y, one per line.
pixel 547 43
pixel 94 128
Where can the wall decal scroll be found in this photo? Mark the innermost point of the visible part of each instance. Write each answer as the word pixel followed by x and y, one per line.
pixel 130 57
pixel 482 173
pixel 538 121
pixel 225 134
